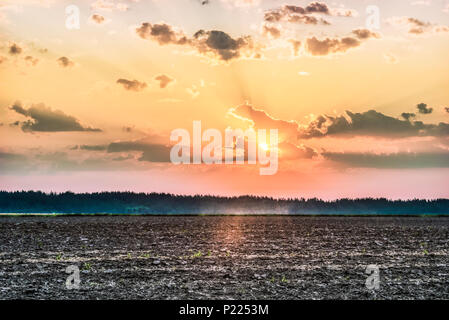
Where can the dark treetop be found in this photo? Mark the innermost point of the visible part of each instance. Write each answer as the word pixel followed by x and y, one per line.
pixel 157 203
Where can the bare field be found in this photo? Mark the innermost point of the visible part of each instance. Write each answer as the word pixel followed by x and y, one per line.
pixel 224 257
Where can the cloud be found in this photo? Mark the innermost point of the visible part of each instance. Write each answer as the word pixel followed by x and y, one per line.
pixel 162 33
pixel 422 108
pixel 407 115
pixel 93 147
pixel 370 123
pixel 97 18
pixel 416 26
pixel 390 161
pixel 306 15
pixel 258 118
pixel 272 31
pixel 32 61
pixel 447 109
pixel 221 45
pixel 15 49
pixel 296 14
pixel 364 34
pixel 65 62
pixel 150 152
pixel 11 156
pixel 287 131
pixel 327 46
pixel 132 85
pixel 53 162
pixel 164 80
pixel 12 161
pixel 44 119
pixel 214 44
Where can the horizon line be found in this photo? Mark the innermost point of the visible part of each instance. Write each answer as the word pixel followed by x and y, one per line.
pixel 229 197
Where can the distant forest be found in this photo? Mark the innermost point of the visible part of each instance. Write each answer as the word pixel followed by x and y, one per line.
pixel 157 203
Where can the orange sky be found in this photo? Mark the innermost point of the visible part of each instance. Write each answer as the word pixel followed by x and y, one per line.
pixel 92 109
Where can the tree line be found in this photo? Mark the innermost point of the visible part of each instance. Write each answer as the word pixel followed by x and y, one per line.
pixel 162 203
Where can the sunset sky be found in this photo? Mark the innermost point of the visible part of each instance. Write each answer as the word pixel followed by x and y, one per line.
pixel 361 111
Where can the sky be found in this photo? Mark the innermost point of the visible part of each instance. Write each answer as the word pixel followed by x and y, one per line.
pixel 90 91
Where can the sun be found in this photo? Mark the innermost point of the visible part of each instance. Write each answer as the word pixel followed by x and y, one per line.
pixel 264 146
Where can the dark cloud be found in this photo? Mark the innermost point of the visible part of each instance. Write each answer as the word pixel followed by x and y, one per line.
pixel 296 14
pixel 44 119
pixel 97 18
pixel 164 80
pixel 447 109
pixel 305 15
pixel 123 158
pixel 317 7
pixel 417 22
pixel 11 156
pixel 56 161
pixel 221 45
pixel 93 147
pixel 132 85
pixel 418 27
pixel 370 123
pixel 12 161
pixel 422 108
pixel 393 161
pixel 305 19
pixel 161 33
pixel 407 115
pixel 15 49
pixel 213 44
pixel 150 152
pixel 65 62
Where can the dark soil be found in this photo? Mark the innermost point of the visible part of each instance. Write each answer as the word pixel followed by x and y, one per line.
pixel 224 257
